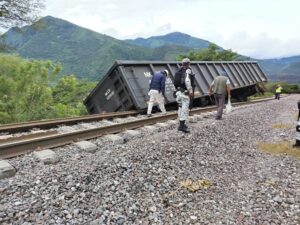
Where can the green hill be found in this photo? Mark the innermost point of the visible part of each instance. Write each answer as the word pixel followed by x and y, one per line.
pixel 88 54
pixel 175 38
pixel 290 73
pixel 292 69
pixel 82 52
pixel 283 69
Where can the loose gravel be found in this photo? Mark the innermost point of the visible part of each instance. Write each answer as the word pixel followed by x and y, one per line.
pixel 139 182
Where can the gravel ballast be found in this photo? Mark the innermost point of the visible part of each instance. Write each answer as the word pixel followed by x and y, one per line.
pixel 139 182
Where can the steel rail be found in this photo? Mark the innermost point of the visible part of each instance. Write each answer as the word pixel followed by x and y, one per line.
pixel 28 136
pixel 8 150
pixel 46 124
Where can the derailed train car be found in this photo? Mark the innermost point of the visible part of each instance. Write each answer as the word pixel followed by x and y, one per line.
pixel 126 84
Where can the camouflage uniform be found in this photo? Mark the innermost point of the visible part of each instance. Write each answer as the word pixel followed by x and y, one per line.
pixel 183 99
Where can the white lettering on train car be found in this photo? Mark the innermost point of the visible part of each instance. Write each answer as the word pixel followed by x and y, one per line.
pixel 110 95
pixel 107 92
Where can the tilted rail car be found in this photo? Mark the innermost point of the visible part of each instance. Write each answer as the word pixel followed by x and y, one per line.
pixel 126 84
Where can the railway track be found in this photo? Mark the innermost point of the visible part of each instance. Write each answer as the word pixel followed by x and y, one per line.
pixel 46 124
pixel 15 148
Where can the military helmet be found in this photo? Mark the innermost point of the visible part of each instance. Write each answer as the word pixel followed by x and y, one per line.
pixel 166 72
pixel 186 62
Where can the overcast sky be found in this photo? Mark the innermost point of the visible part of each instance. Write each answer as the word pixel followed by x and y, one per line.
pixel 256 28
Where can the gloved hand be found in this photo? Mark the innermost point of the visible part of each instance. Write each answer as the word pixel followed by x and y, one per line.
pixel 174 94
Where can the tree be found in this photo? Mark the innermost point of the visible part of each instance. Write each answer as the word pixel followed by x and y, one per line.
pixel 68 96
pixel 212 53
pixel 19 12
pixel 29 91
pixel 25 91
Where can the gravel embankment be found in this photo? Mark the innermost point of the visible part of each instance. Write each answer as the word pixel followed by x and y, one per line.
pixel 139 182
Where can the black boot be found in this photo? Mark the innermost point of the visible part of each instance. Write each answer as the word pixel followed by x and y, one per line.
pixel 182 127
pixel 185 126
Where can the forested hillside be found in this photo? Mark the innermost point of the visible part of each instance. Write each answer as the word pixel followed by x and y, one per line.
pixel 88 55
pixel 27 91
pixel 83 52
pixel 283 69
pixel 175 38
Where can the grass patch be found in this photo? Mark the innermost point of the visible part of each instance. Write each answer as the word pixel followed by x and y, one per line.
pixel 280 148
pixel 282 126
pixel 259 96
pixel 296 116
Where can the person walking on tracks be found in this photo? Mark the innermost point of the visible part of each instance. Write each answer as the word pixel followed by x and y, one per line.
pixel 184 91
pixel 157 91
pixel 278 91
pixel 220 87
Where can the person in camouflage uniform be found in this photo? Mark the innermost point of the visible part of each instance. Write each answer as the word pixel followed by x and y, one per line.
pixel 183 95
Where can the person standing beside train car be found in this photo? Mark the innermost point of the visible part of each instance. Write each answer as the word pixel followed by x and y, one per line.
pixel 157 91
pixel 220 87
pixel 184 91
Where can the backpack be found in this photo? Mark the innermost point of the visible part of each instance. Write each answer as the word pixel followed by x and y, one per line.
pixel 179 78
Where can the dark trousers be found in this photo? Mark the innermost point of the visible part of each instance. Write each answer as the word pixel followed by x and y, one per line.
pixel 277 96
pixel 220 101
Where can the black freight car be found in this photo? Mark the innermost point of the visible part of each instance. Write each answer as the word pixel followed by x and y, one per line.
pixel 126 84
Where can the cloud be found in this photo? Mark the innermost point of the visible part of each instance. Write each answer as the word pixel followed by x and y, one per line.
pixel 259 28
pixel 261 45
pixel 124 18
